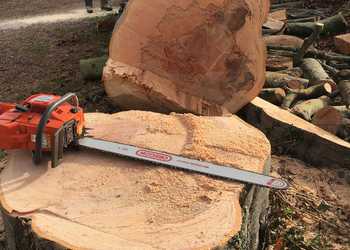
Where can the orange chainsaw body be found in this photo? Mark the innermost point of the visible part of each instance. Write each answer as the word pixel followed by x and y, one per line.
pixel 19 122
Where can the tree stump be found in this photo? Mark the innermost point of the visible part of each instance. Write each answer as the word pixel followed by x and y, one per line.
pixel 193 56
pixel 94 200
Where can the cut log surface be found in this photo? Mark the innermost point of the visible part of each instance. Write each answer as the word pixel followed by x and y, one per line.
pixel 183 55
pixel 296 136
pixel 278 14
pixel 329 119
pixel 94 200
pixel 342 43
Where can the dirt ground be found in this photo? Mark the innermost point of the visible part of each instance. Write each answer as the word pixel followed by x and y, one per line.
pixel 45 58
pixel 10 9
pixel 313 214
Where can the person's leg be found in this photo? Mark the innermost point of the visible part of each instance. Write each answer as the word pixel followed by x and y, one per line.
pixel 122 6
pixel 88 5
pixel 106 5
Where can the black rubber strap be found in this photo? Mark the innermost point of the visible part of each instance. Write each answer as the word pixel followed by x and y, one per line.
pixel 42 124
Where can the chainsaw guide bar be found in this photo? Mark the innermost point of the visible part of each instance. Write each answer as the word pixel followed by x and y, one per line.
pixel 183 163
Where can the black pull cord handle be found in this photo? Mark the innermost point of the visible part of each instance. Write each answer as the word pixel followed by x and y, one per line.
pixel 42 124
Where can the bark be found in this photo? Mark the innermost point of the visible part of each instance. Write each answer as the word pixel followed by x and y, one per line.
pixel 308 108
pixel 294 136
pixel 343 110
pixel 289 100
pixel 304 19
pixel 276 80
pixel 344 89
pixel 92 68
pixel 278 62
pixel 287 5
pixel 308 42
pixel 314 71
pixel 283 40
pixel 344 130
pixel 273 95
pixel 332 25
pixel 296 72
pixel 94 200
pixel 343 74
pixel 312 92
pixel 329 119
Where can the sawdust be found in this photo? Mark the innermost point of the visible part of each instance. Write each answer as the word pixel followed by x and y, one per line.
pixel 201 138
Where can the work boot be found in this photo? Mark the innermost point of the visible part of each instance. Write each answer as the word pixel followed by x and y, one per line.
pixel 106 5
pixel 88 5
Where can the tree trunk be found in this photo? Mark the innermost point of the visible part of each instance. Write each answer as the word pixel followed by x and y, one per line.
pixel 94 200
pixel 188 53
pixel 294 136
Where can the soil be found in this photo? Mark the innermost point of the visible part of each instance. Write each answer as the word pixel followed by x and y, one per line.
pixel 16 9
pixel 315 212
pixel 50 63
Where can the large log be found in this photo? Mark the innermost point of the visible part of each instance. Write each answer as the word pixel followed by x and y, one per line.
pixel 314 71
pixel 290 134
pixel 94 200
pixel 183 55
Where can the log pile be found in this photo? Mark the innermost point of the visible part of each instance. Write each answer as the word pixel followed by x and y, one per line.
pixel 317 84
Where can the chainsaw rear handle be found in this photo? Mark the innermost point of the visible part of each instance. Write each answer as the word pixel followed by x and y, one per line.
pixel 42 124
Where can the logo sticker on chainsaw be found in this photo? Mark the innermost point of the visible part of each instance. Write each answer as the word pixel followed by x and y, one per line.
pixel 153 155
pixel 42 98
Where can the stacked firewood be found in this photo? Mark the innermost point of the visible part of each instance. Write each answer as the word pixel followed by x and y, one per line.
pixel 305 76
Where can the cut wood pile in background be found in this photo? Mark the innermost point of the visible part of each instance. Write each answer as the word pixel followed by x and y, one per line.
pixel 308 63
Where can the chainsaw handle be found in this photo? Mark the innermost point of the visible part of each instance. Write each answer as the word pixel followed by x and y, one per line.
pixel 42 124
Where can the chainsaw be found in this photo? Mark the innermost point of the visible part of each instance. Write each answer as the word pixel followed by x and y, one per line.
pixel 45 123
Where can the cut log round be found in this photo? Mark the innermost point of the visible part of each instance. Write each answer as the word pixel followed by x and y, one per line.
pixel 329 119
pixel 94 200
pixel 290 134
pixel 178 54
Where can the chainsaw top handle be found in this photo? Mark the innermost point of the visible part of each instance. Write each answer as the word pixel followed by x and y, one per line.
pixel 45 117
